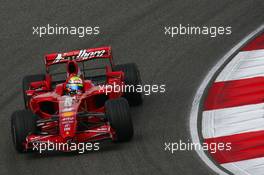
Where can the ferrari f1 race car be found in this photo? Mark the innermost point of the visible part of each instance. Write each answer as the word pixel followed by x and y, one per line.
pixel 75 105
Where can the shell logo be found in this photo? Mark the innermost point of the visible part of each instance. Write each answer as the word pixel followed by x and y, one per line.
pixel 68 114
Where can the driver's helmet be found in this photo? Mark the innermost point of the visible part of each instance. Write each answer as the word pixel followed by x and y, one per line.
pixel 74 85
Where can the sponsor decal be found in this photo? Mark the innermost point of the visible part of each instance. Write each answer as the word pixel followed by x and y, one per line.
pixel 87 55
pixel 67 110
pixel 68 114
pixel 68 102
pixel 83 55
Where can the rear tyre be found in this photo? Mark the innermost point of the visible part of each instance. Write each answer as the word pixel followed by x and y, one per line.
pixel 23 123
pixel 132 77
pixel 26 85
pixel 118 115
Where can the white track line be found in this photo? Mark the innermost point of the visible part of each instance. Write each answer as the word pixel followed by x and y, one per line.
pixel 246 64
pixel 230 121
pixel 197 98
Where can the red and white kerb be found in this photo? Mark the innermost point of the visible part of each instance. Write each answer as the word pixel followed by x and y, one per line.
pixel 233 111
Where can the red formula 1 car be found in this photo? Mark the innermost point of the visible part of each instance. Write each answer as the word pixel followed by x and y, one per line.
pixel 75 105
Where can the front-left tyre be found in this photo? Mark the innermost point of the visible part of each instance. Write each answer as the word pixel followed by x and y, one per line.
pixel 23 123
pixel 118 115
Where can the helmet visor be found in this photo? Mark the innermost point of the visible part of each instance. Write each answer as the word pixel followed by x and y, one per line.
pixel 74 87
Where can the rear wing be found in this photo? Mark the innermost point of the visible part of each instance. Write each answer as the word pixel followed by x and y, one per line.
pixel 78 56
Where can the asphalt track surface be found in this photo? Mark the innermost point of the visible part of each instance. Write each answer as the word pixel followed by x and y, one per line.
pixel 135 30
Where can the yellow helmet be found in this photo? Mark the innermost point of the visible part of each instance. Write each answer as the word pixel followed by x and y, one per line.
pixel 74 85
